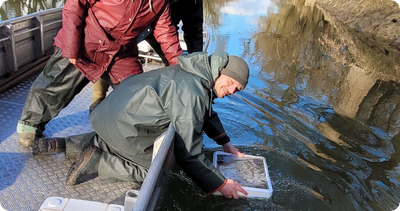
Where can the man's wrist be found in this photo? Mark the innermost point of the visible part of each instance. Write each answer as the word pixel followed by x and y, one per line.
pixel 223 140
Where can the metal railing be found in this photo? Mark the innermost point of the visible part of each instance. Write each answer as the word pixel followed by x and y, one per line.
pixel 163 157
pixel 26 39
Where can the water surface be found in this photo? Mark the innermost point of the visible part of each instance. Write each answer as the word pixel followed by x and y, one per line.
pixel 325 118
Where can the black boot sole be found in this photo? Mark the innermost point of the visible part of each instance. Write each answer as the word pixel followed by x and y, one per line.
pixel 77 168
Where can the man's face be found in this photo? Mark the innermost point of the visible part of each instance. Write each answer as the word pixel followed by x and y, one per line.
pixel 226 85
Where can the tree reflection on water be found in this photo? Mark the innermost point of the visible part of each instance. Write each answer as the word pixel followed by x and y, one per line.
pixel 323 99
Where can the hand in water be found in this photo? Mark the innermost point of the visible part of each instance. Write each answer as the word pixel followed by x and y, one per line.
pixel 231 188
pixel 228 147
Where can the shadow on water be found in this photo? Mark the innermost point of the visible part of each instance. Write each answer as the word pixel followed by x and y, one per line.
pixel 322 106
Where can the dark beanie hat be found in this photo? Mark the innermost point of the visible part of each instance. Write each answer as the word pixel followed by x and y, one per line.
pixel 237 69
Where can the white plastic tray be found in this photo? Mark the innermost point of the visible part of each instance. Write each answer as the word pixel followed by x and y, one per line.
pixel 249 171
pixel 66 204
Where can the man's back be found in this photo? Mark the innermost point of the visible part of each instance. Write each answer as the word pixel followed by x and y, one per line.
pixel 143 106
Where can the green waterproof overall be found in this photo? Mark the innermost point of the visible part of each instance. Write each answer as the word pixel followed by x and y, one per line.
pixel 112 167
pixel 55 87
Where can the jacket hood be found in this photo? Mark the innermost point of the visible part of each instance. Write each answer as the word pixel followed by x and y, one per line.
pixel 204 66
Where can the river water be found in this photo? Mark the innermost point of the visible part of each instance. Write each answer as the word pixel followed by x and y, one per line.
pixel 323 111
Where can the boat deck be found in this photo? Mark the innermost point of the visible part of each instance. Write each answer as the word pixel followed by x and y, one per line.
pixel 26 181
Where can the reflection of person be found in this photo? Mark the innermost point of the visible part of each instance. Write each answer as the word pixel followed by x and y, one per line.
pixel 190 12
pixel 121 146
pixel 97 39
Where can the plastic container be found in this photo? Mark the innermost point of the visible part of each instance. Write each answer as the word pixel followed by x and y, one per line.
pixel 66 204
pixel 251 172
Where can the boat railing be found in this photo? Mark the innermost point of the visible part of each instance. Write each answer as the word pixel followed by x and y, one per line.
pixel 163 158
pixel 24 42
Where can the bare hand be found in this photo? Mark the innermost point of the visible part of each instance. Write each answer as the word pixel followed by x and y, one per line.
pixel 73 61
pixel 228 147
pixel 231 188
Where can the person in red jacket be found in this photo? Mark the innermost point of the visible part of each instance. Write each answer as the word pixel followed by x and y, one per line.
pixel 98 39
pixel 190 12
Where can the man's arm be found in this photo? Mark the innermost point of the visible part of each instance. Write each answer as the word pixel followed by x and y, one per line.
pixel 189 155
pixel 214 129
pixel 188 151
pixel 166 34
pixel 200 169
pixel 187 118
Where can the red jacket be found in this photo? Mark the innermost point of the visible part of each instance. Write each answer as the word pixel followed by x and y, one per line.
pixel 101 35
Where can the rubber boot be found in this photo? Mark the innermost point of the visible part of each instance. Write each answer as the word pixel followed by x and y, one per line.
pixel 26 139
pixel 86 167
pixel 43 146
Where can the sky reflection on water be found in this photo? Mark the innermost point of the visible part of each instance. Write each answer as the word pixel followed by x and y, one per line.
pixel 325 122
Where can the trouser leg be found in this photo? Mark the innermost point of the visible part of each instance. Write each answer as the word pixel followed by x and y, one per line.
pixel 191 14
pixel 74 144
pixel 111 166
pixel 100 89
pixel 52 91
pixel 176 18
